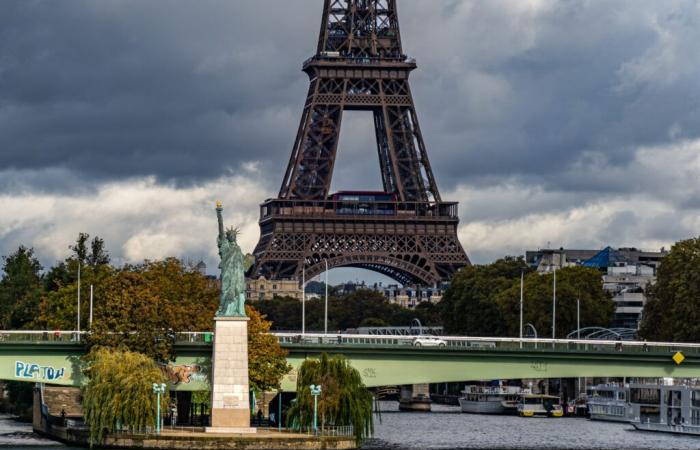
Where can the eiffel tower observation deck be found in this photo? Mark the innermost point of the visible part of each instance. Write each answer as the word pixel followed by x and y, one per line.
pixel 404 231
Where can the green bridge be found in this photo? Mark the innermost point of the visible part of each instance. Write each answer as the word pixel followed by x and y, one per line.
pixel 55 358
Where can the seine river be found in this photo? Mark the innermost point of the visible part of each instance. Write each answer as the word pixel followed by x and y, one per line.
pixel 447 428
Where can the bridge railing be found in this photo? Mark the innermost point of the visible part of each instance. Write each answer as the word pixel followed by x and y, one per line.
pixel 443 342
pixel 487 343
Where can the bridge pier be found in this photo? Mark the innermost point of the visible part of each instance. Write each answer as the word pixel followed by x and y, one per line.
pixel 415 397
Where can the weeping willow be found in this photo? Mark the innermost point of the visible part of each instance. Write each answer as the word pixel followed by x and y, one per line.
pixel 120 391
pixel 344 399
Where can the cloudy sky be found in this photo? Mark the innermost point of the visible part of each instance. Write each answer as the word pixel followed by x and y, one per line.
pixel 570 123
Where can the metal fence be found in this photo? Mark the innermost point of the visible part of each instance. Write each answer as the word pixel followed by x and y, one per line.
pixel 446 343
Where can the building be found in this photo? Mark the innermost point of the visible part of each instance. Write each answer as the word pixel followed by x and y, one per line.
pixel 409 296
pixel 263 289
pixel 626 272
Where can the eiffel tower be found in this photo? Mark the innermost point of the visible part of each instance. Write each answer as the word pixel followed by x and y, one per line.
pixel 406 231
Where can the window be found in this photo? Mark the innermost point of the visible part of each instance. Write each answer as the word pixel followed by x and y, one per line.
pixel 274 287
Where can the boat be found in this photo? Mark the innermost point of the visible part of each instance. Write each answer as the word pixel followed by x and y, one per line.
pixel 490 399
pixel 539 405
pixel 609 402
pixel 665 408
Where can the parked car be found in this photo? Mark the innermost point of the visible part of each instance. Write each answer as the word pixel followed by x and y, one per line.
pixel 429 341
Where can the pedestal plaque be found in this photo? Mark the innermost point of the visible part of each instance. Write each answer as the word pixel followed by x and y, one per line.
pixel 230 407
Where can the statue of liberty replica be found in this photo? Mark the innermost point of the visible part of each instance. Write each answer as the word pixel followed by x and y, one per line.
pixel 229 373
pixel 233 266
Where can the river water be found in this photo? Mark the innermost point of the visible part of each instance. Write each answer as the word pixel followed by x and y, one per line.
pixel 446 428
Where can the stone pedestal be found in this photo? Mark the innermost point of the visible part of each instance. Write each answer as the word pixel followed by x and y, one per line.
pixel 230 408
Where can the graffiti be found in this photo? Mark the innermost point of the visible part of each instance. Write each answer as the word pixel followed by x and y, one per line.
pixel 538 366
pixel 37 372
pixel 184 374
pixel 369 373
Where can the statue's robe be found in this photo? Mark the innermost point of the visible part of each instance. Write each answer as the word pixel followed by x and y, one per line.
pixel 232 267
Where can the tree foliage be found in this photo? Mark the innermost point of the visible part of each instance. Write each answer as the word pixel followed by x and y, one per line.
pixel 267 363
pixel 573 283
pixel 360 308
pixel 344 399
pixel 120 391
pixel 672 311
pixel 469 305
pixel 21 288
pixel 138 307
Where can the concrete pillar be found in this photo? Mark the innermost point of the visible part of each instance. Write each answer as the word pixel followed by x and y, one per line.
pixel 415 398
pixel 230 406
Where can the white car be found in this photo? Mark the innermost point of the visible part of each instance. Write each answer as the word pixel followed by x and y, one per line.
pixel 429 341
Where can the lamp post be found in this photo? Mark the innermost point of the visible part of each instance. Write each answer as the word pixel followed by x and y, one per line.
pixel 325 317
pixel 303 299
pixel 534 330
pixel 554 306
pixel 315 391
pixel 80 263
pixel 522 278
pixel 158 389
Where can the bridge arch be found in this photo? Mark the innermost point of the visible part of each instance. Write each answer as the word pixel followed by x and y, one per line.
pixel 407 270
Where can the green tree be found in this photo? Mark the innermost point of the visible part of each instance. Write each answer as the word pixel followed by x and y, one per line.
pixel 20 289
pixel 582 283
pixel 469 307
pixel 344 399
pixel 672 311
pixel 120 391
pixel 267 360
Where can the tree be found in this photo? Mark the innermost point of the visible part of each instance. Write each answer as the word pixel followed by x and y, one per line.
pixel 267 362
pixel 20 289
pixel 469 307
pixel 94 256
pixel 672 311
pixel 344 399
pixel 582 283
pixel 138 307
pixel 120 391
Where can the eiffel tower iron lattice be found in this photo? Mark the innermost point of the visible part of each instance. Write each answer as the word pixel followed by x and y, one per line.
pixel 405 232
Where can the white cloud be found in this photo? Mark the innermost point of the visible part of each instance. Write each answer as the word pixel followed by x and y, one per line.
pixel 139 218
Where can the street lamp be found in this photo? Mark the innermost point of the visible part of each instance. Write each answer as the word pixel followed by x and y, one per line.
pixel 303 298
pixel 522 278
pixel 158 389
pixel 534 330
pixel 325 319
pixel 315 391
pixel 554 306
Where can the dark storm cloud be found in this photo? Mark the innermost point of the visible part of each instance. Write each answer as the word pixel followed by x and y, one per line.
pixel 188 91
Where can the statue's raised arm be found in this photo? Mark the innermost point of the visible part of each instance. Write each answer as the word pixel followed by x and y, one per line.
pixel 219 210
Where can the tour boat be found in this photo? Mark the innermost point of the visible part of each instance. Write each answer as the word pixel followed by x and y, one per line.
pixel 539 405
pixel 667 409
pixel 609 402
pixel 490 399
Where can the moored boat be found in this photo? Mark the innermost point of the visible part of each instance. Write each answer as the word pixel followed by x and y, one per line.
pixel 490 399
pixel 539 405
pixel 665 408
pixel 609 402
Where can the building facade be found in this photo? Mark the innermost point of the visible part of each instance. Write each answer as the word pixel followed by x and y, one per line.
pixel 626 272
pixel 263 289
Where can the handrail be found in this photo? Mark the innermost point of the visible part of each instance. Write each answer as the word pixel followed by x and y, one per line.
pixel 316 338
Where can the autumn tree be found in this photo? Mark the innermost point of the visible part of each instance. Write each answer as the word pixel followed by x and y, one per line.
pixel 584 284
pixel 267 362
pixel 672 311
pixel 21 288
pixel 138 307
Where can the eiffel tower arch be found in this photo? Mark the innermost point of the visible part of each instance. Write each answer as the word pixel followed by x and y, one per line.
pixel 406 231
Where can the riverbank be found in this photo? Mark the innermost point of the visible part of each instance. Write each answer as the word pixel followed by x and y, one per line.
pixel 176 439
